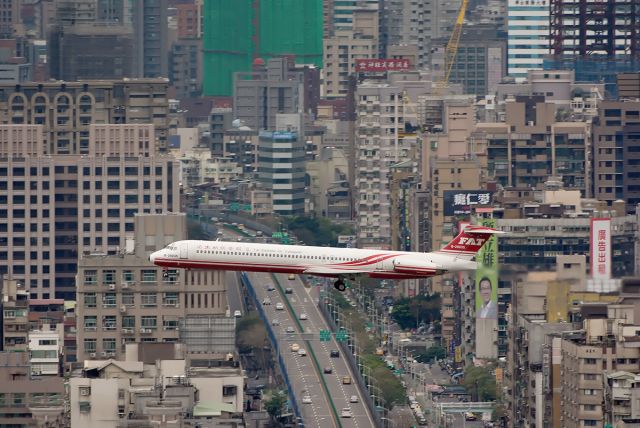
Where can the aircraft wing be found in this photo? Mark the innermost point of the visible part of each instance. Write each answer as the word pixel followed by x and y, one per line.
pixel 322 270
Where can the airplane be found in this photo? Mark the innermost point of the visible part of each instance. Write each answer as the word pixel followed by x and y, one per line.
pixel 339 263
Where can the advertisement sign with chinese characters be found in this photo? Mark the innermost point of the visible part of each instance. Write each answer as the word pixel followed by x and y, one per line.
pixel 462 202
pixel 377 65
pixel 601 248
pixel 487 275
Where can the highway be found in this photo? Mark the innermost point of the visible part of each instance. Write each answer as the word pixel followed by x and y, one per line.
pixel 303 372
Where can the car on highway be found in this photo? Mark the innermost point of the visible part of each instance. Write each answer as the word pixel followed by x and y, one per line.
pixel 302 352
pixel 353 399
pixel 334 354
pixel 288 291
pixel 279 307
pixel 266 301
pixel 345 413
pixel 346 380
pixel 275 322
pixel 290 330
pixel 303 316
pixel 470 416
pixel 327 370
pixel 237 313
pixel 306 399
pixel 295 347
pixel 291 277
pixel 270 287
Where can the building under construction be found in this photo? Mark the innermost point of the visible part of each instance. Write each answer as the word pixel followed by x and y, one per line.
pixel 236 32
pixel 596 38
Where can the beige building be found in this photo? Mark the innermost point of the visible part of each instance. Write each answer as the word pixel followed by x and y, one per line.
pixel 124 298
pixel 67 109
pixel 65 205
pixel 531 146
pixel 606 344
pixel 329 179
pixel 155 385
pixel 346 46
pixel 15 311
pixel 29 401
pixel 383 138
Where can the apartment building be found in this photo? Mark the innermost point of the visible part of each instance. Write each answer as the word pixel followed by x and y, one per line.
pixel 15 321
pixel 27 400
pixel 123 298
pixel 45 350
pixel 616 152
pixel 532 145
pixel 67 109
pixel 155 385
pixel 49 223
pixel 329 190
pixel 605 345
pixel 384 136
pixel 341 51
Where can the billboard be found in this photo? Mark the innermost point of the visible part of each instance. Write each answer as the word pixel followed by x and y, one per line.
pixel 378 65
pixel 601 248
pixel 487 276
pixel 461 202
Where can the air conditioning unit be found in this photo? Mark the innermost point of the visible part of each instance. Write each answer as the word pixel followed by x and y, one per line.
pixel 123 308
pixel 104 353
pixel 111 354
pixel 92 355
pixel 84 391
pixel 36 372
pixel 125 285
pixel 112 286
pixel 145 330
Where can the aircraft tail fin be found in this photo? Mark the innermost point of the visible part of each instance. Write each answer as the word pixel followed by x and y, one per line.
pixel 469 241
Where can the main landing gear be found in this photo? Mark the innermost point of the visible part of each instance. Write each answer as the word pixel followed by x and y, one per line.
pixel 340 285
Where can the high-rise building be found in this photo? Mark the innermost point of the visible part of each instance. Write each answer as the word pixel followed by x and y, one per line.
pixel 416 23
pixel 616 152
pixel 345 47
pixel 272 88
pixel 281 168
pixel 49 223
pixel 66 110
pixel 149 20
pixel 10 22
pixel 528 36
pixel 384 137
pixel 235 33
pixel 595 38
pixel 531 146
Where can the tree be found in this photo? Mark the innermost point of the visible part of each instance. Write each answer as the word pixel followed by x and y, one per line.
pixel 409 313
pixel 317 231
pixel 432 354
pixel 481 383
pixel 275 403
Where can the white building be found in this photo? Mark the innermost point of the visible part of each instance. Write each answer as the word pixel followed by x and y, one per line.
pixel 107 394
pixel 45 350
pixel 528 36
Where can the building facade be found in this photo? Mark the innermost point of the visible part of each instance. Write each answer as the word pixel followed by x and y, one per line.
pixel 528 36
pixel 49 222
pixel 67 109
pixel 281 168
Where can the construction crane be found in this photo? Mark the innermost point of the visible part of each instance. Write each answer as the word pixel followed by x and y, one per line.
pixel 452 46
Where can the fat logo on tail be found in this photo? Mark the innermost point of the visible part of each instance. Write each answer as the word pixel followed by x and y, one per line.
pixel 469 241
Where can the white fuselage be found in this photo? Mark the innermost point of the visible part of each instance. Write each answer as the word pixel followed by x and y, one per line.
pixel 321 261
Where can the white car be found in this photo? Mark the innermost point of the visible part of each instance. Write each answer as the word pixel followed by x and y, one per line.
pixel 237 314
pixel 345 413
pixel 306 399
pixel 302 352
pixel 266 301
pixel 279 307
pixel 275 322
pixel 303 316
pixel 353 399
